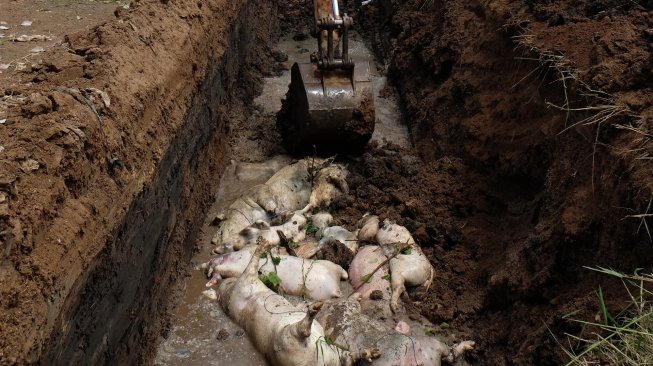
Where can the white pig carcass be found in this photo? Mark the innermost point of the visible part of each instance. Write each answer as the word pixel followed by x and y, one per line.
pixel 286 335
pixel 329 183
pixel 368 271
pixel 407 267
pixel 340 234
pixel 286 191
pixel 368 227
pixel 261 231
pixel 242 213
pixel 344 323
pixel 314 279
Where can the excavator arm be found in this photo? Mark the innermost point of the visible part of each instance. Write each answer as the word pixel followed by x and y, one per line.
pixel 329 107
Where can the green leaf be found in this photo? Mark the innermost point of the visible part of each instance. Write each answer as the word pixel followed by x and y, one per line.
pixel 310 228
pixel 607 317
pixel 429 332
pixel 367 278
pixel 271 280
pixel 276 260
pixel 407 251
pixel 274 279
pixel 387 277
pixel 293 245
pixel 263 255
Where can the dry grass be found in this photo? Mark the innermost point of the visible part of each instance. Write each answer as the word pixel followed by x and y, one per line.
pixel 624 339
pixel 591 107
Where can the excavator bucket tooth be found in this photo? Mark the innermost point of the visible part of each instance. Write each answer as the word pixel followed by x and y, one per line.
pixel 327 111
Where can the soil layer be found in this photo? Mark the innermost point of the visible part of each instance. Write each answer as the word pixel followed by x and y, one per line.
pixel 108 150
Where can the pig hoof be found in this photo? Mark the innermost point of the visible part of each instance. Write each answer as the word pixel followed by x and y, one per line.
pixel 211 294
pixel 370 354
pixel 462 347
pixel 394 306
pixel 314 308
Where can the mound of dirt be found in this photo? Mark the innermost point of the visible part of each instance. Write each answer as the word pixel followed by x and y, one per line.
pixel 507 208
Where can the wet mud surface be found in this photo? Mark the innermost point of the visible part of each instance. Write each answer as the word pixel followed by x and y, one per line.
pixel 506 207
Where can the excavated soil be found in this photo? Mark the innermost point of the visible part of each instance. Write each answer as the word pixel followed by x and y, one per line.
pixel 99 209
pixel 109 148
pixel 508 206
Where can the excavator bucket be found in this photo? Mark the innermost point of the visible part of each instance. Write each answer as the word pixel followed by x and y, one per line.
pixel 328 111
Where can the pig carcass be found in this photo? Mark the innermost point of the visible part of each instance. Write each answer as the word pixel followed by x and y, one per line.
pixel 286 191
pixel 362 275
pixel 329 183
pixel 314 279
pixel 408 265
pixel 290 187
pixel 340 234
pixel 261 231
pixel 242 213
pixel 344 323
pixel 286 335
pixel 368 227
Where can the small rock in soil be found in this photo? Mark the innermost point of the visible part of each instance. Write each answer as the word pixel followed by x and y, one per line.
pixel 222 334
pixel 26 23
pixel 37 49
pixel 29 165
pixel 183 353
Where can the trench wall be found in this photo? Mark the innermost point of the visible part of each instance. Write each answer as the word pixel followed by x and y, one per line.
pixel 172 69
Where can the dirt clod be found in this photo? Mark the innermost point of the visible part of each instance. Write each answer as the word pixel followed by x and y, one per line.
pixel 222 334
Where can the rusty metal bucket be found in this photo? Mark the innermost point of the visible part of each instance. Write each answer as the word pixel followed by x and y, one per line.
pixel 327 111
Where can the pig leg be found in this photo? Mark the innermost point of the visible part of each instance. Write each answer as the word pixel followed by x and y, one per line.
pixel 427 284
pixel 302 329
pixel 214 279
pixel 251 271
pixel 459 349
pixel 397 284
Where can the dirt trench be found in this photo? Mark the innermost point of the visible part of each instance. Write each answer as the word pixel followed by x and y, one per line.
pixel 100 222
pixel 100 209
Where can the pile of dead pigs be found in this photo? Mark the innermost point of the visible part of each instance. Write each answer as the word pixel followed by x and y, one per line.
pixel 301 311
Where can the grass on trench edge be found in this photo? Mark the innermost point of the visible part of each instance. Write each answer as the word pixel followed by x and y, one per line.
pixel 622 339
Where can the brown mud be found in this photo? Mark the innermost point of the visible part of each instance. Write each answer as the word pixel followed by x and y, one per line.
pixel 100 204
pixel 508 208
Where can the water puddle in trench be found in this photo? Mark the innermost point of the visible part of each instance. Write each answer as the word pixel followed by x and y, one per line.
pixel 201 333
